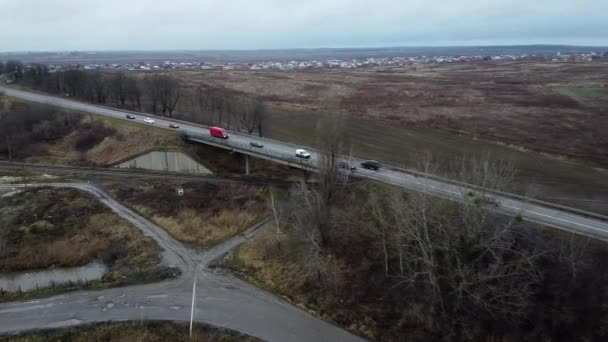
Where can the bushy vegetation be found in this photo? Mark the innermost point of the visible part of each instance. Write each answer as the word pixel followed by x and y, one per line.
pixel 91 134
pixel 44 227
pixel 388 264
pixel 205 215
pixel 149 331
pixel 43 134
pixel 25 126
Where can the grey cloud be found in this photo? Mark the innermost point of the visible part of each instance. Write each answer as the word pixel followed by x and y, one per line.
pixel 241 24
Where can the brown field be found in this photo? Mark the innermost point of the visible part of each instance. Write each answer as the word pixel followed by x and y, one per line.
pixel 557 108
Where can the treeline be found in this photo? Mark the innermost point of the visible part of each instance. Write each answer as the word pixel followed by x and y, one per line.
pixel 397 266
pixel 152 92
pixel 24 125
pixel 13 69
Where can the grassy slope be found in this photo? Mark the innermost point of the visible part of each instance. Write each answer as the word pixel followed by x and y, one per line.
pixel 127 139
pixel 132 331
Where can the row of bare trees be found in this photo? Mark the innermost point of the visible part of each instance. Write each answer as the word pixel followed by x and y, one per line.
pixel 157 93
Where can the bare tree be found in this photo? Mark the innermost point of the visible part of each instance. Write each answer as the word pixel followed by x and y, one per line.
pixel 573 251
pixel 134 93
pixel 330 140
pixel 118 87
pixel 99 87
pixel 170 95
pixel 154 92
pixel 253 113
pixel 380 226
pixel 203 104
pixel 276 210
pixel 487 172
pixel 330 137
pixel 304 220
pixel 465 258
pixel 164 91
pixel 7 129
pixel 75 82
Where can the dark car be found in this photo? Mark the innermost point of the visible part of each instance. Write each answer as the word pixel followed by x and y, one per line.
pixel 256 144
pixel 371 165
pixel 346 165
pixel 172 125
pixel 130 116
pixel 490 201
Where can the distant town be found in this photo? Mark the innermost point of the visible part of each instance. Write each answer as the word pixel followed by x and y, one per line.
pixel 333 63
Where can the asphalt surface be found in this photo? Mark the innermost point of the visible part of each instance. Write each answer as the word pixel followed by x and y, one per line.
pixel 221 299
pixel 562 218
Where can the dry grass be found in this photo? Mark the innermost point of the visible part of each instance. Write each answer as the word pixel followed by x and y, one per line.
pixel 205 215
pixel 543 107
pixel 129 139
pixel 204 229
pixel 47 227
pixel 281 275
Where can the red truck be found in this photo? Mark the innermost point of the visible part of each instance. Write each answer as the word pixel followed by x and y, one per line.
pixel 218 132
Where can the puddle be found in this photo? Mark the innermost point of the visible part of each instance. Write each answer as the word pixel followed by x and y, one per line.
pixel 47 277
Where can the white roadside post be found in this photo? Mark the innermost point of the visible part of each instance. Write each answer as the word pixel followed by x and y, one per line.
pixel 192 310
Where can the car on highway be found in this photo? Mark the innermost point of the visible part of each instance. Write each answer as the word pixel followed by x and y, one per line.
pixel 173 125
pixel 218 132
pixel 488 200
pixel 302 153
pixel 256 144
pixel 347 166
pixel 371 165
pixel 130 116
pixel 148 120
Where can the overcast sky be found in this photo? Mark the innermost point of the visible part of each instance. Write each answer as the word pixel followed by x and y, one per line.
pixel 267 24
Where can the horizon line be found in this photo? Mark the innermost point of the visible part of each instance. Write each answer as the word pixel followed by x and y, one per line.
pixel 310 49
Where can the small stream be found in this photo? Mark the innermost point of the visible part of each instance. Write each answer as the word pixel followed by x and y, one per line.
pixel 47 277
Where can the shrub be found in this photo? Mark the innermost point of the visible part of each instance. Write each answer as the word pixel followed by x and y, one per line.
pixel 92 134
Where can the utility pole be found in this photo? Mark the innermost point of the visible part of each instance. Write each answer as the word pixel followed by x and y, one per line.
pixel 192 311
pixel 247 164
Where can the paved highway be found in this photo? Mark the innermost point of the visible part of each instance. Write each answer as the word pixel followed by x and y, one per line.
pixel 221 299
pixel 544 213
